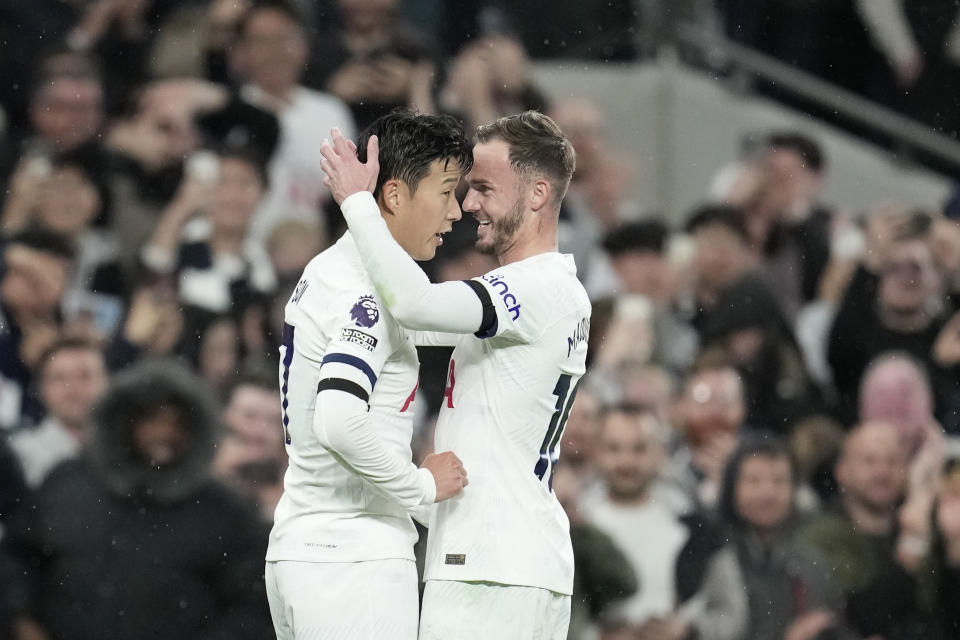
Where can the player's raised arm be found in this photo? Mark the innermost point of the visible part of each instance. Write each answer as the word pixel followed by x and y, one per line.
pixel 453 307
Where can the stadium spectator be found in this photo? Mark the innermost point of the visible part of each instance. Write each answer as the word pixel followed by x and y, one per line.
pixel 689 581
pixel 269 55
pixel 375 62
pixel 163 550
pixel 858 536
pixel 787 586
pixel 709 414
pixel 900 306
pixel 251 454
pixel 603 575
pixel 35 275
pixel 203 239
pixel 637 252
pixel 72 375
pixel 778 194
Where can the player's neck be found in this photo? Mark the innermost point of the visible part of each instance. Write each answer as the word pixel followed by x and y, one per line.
pixel 530 241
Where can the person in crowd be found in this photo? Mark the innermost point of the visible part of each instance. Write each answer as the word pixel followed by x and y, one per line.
pixel 858 535
pixel 597 201
pixel 898 305
pixel 603 575
pixel 638 256
pixel 35 276
pixel 490 77
pixel 689 581
pixel 375 62
pixel 269 56
pixel 75 202
pixel 710 417
pixel 163 550
pixel 72 375
pixel 939 575
pixel 787 586
pixel 251 454
pixel 778 194
pixel 203 237
pixel 66 112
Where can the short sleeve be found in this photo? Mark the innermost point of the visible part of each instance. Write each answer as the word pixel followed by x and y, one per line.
pixel 514 300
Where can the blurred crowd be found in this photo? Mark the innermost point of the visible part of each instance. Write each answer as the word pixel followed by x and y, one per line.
pixel 764 446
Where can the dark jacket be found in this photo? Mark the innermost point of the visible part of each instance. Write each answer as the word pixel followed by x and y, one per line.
pixel 112 548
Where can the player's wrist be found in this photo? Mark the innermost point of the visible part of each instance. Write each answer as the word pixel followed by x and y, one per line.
pixel 360 205
pixel 429 486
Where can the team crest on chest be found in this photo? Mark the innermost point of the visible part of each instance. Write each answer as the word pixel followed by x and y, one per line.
pixel 365 312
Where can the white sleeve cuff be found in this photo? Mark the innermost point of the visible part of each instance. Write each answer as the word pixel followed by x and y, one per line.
pixel 429 486
pixel 360 205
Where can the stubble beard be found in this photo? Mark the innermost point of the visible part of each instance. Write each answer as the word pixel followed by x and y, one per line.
pixel 503 232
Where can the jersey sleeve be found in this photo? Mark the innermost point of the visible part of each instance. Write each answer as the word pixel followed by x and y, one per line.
pixel 416 303
pixel 360 343
pixel 513 302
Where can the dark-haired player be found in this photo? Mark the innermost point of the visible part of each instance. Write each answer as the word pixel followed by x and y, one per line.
pixel 340 561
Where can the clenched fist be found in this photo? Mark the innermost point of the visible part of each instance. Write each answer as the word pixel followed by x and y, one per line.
pixel 448 473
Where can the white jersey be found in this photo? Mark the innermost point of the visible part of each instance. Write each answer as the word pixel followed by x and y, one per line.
pixel 507 401
pixel 329 513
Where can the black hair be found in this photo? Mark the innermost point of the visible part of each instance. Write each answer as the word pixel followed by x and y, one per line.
pixel 718 214
pixel 286 7
pixel 91 163
pixel 646 235
pixel 762 444
pixel 42 240
pixel 410 142
pixel 805 147
pixel 250 156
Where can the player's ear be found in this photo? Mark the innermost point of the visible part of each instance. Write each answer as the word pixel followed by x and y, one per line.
pixel 393 195
pixel 540 194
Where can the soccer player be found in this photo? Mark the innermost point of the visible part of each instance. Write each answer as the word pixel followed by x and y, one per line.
pixel 340 560
pixel 499 560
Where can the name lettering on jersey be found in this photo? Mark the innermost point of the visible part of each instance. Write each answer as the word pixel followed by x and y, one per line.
pixel 359 338
pixel 580 334
pixel 364 312
pixel 456 558
pixel 502 288
pixel 299 291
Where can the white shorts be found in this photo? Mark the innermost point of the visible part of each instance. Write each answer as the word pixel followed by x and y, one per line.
pixel 485 610
pixel 343 600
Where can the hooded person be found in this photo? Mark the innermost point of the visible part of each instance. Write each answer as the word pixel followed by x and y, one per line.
pixel 135 539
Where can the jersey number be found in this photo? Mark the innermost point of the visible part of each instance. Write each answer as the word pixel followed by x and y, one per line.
pixel 549 456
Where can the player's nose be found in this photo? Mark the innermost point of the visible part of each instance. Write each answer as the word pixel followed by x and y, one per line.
pixel 454 213
pixel 470 201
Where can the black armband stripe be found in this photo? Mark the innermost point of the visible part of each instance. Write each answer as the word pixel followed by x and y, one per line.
pixel 488 324
pixel 340 384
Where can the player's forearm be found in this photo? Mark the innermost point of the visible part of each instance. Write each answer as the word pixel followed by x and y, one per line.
pixel 342 424
pixel 412 299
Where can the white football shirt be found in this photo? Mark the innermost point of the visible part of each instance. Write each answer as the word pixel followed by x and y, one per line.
pixel 507 401
pixel 338 331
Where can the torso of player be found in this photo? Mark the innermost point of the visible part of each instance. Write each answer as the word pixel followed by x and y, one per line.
pixel 505 407
pixel 327 513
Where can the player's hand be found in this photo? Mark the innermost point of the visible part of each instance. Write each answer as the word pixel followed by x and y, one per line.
pixel 448 473
pixel 345 174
